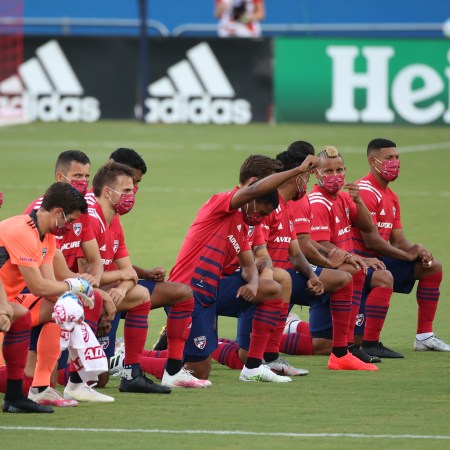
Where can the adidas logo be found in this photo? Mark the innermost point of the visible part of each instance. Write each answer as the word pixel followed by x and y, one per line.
pixel 46 88
pixel 196 90
pixel 103 248
pixel 280 227
pixel 337 220
pixel 239 227
pixel 382 213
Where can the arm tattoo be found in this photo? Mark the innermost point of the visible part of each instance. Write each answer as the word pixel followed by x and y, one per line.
pixel 301 264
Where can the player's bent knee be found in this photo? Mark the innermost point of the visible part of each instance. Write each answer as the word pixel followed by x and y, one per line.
pixel 382 278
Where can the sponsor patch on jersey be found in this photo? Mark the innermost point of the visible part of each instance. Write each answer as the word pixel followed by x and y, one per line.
pixel 200 342
pixel 77 228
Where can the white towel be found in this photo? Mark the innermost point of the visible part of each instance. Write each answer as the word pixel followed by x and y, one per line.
pixel 84 349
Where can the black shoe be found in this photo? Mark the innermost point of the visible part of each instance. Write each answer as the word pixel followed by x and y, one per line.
pixel 161 343
pixel 141 384
pixel 381 351
pixel 24 405
pixel 361 354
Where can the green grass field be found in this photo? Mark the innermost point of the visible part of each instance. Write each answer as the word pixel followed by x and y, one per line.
pixel 405 405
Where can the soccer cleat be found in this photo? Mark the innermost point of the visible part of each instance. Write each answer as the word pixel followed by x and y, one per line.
pixel 263 374
pixel 430 344
pixel 116 362
pixel 292 317
pixel 349 362
pixel 161 342
pixel 24 405
pixel 184 378
pixel 361 354
pixel 84 393
pixel 50 397
pixel 381 351
pixel 141 384
pixel 282 367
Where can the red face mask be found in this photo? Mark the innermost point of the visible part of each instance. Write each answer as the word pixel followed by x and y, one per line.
pixel 332 183
pixel 125 204
pixel 301 190
pixel 80 185
pixel 252 218
pixel 390 169
pixel 61 230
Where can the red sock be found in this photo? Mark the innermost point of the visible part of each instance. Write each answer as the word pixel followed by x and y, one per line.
pixel 264 323
pixel 427 301
pixel 177 328
pixel 227 354
pixel 92 316
pixel 63 375
pixel 273 346
pixel 226 341
pixel 341 313
pixel 153 366
pixel 15 347
pixel 377 305
pixel 358 283
pixel 48 351
pixel 155 353
pixel 135 332
pixel 297 343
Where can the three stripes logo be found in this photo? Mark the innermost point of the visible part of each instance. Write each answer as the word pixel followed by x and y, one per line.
pixel 46 88
pixel 196 90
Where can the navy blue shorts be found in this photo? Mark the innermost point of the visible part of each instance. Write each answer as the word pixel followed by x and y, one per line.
pixel 230 306
pixel 202 340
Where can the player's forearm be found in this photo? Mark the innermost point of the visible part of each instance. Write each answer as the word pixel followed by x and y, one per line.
pixel 111 276
pixel 250 274
pixel 373 241
pixel 301 264
pixel 48 288
pixel 141 273
pixel 311 252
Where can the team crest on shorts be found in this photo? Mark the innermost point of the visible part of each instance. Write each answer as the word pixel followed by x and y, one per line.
pixel 359 320
pixel 200 342
pixel 77 228
pixel 104 342
pixel 116 245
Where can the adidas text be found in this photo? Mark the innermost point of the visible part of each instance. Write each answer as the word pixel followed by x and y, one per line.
pixel 198 110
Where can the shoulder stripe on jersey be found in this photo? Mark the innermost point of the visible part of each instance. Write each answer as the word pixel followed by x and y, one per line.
pixel 372 190
pixel 320 200
pixel 93 213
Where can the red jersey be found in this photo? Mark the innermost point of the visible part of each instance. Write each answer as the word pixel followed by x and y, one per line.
pixel 332 218
pixel 301 212
pixel 384 206
pixel 250 233
pixel 212 242
pixel 70 243
pixel 21 245
pixel 110 238
pixel 278 228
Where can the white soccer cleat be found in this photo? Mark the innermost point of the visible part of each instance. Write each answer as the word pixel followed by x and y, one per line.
pixel 430 344
pixel 282 367
pixel 183 378
pixel 292 317
pixel 84 393
pixel 116 362
pixel 50 397
pixel 263 374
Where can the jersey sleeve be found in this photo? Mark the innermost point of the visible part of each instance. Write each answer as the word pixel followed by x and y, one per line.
pixel 301 212
pixel 49 256
pixel 87 234
pixel 258 237
pixel 320 222
pixel 22 248
pixel 122 250
pixel 398 220
pixel 370 200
